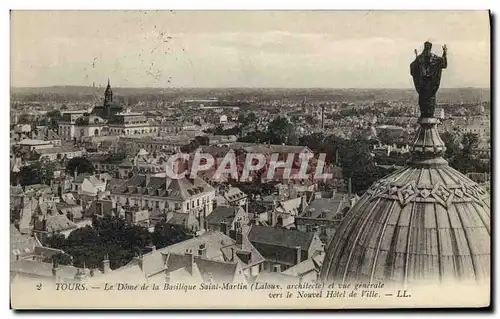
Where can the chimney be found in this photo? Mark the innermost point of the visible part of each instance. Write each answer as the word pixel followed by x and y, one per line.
pixel 75 173
pixel 298 255
pixel 151 247
pixel 148 179
pixel 232 233
pixel 245 256
pixel 210 277
pixel 202 250
pixel 273 216
pixel 276 268
pixel 256 220
pixel 140 261
pixel 239 237
pixel 223 227
pixel 98 208
pixel 55 267
pixel 105 264
pixel 303 203
pixel 349 187
pixel 190 254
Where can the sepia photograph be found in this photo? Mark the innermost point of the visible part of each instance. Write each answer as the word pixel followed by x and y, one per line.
pixel 301 159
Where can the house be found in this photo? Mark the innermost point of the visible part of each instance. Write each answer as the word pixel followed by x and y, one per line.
pixel 24 270
pixel 58 152
pixel 137 217
pixel 260 212
pixel 204 259
pixel 88 184
pixel 31 145
pixel 324 215
pixel 283 248
pixel 227 214
pixel 74 212
pixel 101 208
pixel 232 196
pixel 286 211
pixel 45 225
pixel 179 195
pixel 188 221
pixel 21 244
pixel 308 270
pixel 252 261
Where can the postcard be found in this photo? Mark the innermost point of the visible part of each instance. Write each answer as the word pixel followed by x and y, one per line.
pixel 175 159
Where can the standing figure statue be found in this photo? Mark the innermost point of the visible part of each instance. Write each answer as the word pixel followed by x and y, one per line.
pixel 426 72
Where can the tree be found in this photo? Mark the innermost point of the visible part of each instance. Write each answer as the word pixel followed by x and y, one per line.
pixel 202 140
pixel 80 164
pixel 40 172
pixel 116 157
pixel 109 236
pixel 451 144
pixel 166 234
pixel 470 141
pixel 55 241
pixel 279 130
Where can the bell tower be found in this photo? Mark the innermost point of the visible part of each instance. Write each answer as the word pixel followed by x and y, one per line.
pixel 108 95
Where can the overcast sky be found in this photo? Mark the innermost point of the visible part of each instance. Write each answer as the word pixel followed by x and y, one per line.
pixel 244 49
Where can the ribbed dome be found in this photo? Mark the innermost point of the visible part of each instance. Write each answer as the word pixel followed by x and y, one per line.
pixel 415 224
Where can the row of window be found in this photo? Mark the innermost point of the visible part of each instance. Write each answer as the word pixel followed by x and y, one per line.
pixel 204 200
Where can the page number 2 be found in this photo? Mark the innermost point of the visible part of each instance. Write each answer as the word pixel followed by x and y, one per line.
pixel 39 287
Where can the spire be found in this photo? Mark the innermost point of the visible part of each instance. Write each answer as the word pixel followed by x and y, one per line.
pixel 108 95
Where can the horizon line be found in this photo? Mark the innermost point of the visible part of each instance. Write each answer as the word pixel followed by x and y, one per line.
pixel 238 87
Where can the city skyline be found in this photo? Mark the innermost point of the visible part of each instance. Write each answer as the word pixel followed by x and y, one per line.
pixel 235 49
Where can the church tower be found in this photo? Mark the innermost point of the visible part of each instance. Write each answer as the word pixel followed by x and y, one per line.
pixel 108 95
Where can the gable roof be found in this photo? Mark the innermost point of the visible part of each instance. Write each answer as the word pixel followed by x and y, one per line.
pixel 222 213
pixel 182 188
pixel 280 237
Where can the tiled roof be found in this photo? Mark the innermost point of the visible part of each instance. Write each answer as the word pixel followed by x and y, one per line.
pixel 178 219
pixel 280 237
pixel 183 188
pixel 41 269
pixel 222 213
pixel 19 243
pixel 330 207
pixel 154 261
pixel 58 223
pixel 301 268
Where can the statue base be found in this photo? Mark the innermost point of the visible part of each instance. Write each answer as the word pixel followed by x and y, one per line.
pixel 428 148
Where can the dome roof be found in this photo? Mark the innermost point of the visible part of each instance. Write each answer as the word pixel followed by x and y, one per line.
pixel 89 120
pixel 424 222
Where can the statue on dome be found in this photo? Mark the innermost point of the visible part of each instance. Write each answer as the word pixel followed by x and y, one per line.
pixel 426 72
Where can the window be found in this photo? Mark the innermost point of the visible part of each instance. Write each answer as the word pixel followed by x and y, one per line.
pixel 146 203
pixel 198 202
pixel 187 206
